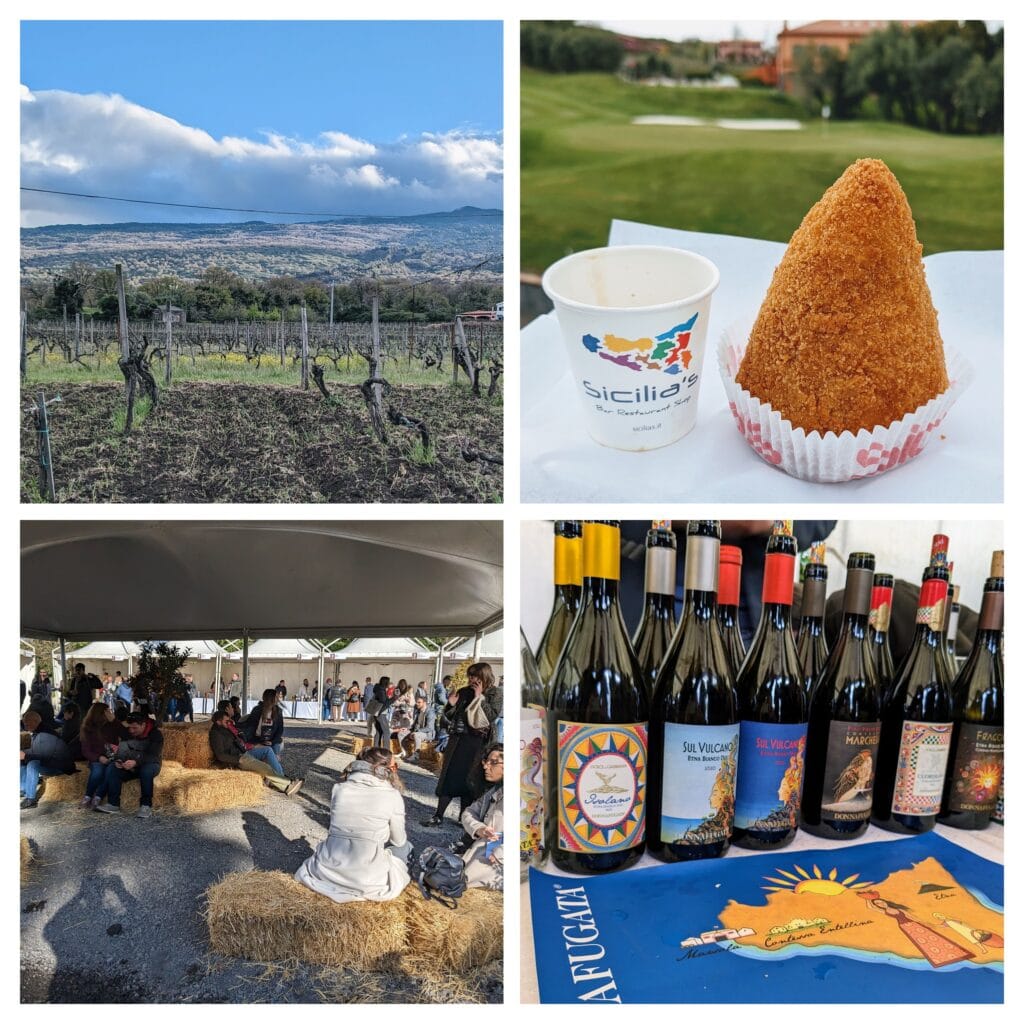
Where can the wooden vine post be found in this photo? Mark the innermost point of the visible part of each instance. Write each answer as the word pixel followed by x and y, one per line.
pixel 170 342
pixel 122 331
pixel 466 356
pixel 24 343
pixel 78 335
pixel 280 335
pixel 376 388
pixel 305 350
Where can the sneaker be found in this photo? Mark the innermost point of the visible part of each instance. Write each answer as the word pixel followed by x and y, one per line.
pixel 86 801
pixel 144 811
pixel 27 802
pixel 431 822
pixel 293 787
pixel 96 801
pixel 108 809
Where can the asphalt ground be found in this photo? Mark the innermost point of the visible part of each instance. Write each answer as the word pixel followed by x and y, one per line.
pixel 111 910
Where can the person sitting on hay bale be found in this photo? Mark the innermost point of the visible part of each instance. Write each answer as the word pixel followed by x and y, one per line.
pixel 483 820
pixel 100 730
pixel 70 723
pixel 366 851
pixel 230 749
pixel 264 725
pixel 47 754
pixel 421 730
pixel 137 757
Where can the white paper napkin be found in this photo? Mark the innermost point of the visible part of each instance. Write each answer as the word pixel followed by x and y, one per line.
pixel 560 463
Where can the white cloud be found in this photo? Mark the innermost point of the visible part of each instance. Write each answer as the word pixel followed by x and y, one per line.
pixel 107 145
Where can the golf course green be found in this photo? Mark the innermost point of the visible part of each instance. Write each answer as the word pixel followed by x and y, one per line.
pixel 584 163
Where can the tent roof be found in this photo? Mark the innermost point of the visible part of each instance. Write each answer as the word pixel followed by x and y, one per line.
pixel 491 646
pixel 281 649
pixel 210 578
pixel 384 648
pixel 103 650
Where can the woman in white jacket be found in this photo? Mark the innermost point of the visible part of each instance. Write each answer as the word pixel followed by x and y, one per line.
pixel 365 853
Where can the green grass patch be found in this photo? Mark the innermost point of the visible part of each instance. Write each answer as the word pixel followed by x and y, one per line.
pixel 421 456
pixel 143 407
pixel 584 163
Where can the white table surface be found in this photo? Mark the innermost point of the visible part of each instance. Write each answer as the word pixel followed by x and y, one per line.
pixel 987 843
pixel 560 462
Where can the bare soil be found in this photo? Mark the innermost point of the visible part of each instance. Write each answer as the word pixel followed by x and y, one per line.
pixel 217 442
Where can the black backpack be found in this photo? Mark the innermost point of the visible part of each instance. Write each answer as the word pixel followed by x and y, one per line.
pixel 441 875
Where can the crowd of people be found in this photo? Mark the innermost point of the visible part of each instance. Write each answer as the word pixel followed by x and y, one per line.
pixel 366 854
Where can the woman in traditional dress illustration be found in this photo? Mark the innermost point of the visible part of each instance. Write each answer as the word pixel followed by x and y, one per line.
pixel 978 936
pixel 937 949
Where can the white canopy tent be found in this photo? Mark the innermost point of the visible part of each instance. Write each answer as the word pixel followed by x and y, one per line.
pixel 395 657
pixel 273 579
pixel 293 660
pixel 27 670
pixel 491 649
pixel 99 656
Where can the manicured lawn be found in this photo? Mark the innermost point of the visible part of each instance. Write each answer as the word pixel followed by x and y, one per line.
pixel 584 163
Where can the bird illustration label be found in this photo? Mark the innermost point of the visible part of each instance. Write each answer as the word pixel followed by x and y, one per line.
pixel 850 770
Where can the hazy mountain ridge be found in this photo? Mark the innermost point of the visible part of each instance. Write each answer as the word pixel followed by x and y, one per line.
pixel 425 245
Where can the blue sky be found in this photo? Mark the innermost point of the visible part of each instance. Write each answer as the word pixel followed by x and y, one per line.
pixel 377 117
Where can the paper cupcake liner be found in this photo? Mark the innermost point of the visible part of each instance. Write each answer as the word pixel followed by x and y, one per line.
pixel 832 458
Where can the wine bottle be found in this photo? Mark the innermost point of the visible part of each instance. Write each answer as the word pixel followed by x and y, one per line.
pixel 975 771
pixel 658 623
pixel 568 576
pixel 694 727
pixel 843 721
pixel 596 727
pixel 811 646
pixel 878 629
pixel 917 722
pixel 951 629
pixel 730 568
pixel 772 704
pixel 531 761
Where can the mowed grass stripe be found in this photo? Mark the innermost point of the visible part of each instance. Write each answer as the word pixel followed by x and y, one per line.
pixel 585 163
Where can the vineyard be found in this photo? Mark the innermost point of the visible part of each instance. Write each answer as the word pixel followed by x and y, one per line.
pixel 261 412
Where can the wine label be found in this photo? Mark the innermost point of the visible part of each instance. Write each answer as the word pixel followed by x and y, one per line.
pixel 921 768
pixel 976 782
pixel 568 561
pixel 698 783
pixel 531 784
pixel 850 770
pixel 602 786
pixel 931 604
pixel 770 775
pixel 881 608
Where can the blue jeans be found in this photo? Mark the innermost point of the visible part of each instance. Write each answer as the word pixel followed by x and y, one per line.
pixel 145 773
pixel 268 755
pixel 499 730
pixel 327 709
pixel 30 772
pixel 97 784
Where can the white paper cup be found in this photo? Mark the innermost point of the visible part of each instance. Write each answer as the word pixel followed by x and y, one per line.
pixel 634 319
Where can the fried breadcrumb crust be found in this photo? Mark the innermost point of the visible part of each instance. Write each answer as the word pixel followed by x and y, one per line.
pixel 847 336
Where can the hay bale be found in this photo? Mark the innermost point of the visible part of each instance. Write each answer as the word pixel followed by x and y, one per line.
pixel 26 857
pixel 176 788
pixel 188 743
pixel 269 916
pixel 360 743
pixel 469 936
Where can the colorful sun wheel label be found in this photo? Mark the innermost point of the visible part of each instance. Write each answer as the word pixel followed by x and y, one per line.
pixel 602 793
pixel 699 783
pixel 978 768
pixel 849 770
pixel 921 768
pixel 770 775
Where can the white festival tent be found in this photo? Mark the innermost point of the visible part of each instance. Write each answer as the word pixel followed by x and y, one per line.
pixel 291 659
pixel 395 657
pixel 273 579
pixel 491 648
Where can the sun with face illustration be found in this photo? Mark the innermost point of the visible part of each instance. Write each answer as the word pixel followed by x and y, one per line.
pixel 817 883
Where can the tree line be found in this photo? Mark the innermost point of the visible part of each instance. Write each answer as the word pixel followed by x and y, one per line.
pixel 564 46
pixel 946 76
pixel 219 295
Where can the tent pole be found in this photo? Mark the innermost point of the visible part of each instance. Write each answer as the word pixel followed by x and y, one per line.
pixel 63 666
pixel 217 668
pixel 245 670
pixel 476 647
pixel 320 688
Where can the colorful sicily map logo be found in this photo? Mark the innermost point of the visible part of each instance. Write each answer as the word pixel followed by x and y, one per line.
pixel 668 352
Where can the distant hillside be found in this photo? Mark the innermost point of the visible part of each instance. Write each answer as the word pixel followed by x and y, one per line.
pixel 427 245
